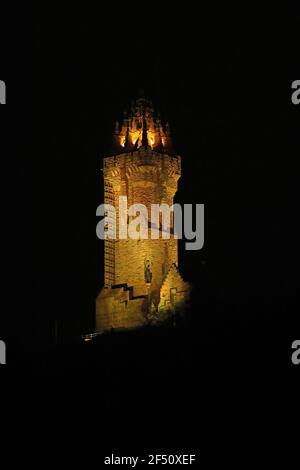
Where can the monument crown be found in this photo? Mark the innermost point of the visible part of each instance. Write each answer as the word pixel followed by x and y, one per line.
pixel 142 127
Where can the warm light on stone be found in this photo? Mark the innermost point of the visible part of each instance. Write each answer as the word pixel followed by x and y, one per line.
pixel 142 283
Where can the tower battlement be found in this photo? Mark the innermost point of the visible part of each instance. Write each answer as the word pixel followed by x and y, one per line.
pixel 142 164
pixel 172 163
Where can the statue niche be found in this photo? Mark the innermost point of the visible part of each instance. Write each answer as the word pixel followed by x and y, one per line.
pixel 148 273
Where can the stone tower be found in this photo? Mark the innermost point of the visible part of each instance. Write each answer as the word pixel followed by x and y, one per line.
pixel 142 283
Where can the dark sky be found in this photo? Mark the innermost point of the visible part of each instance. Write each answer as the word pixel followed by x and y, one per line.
pixel 221 80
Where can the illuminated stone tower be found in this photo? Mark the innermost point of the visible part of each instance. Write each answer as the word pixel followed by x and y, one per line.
pixel 142 283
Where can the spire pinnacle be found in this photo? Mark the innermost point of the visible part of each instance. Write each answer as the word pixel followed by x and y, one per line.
pixel 142 127
pixel 145 136
pixel 126 144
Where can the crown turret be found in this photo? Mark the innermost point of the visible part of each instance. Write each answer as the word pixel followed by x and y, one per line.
pixel 142 127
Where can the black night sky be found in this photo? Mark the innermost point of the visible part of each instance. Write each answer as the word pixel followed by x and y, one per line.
pixel 223 81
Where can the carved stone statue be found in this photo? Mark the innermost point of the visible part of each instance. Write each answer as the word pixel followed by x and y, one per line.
pixel 148 273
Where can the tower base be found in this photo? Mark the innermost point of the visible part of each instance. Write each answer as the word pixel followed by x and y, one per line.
pixel 120 307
